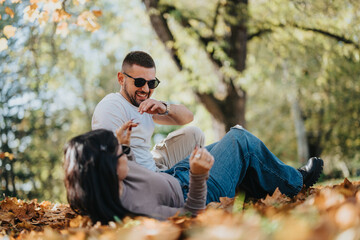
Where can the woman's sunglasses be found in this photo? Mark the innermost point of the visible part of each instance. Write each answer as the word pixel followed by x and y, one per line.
pixel 139 82
pixel 125 150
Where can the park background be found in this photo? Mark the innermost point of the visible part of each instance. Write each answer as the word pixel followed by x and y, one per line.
pixel 286 70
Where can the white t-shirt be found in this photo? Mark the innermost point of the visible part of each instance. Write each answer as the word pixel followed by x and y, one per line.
pixel 113 111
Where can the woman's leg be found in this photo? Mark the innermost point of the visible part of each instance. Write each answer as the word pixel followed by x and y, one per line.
pixel 241 159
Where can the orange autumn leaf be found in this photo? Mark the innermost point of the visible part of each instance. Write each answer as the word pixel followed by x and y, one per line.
pixel 339 218
pixel 97 13
pixel 62 29
pixel 60 15
pixel 9 31
pixel 9 12
pixel 225 203
pixel 33 6
pixel 79 221
pixel 276 198
pixel 347 215
pixel 88 20
pixel 78 2
pixel 8 217
pixel 43 18
pixel 31 13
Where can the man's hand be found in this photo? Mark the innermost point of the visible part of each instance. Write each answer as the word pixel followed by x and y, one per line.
pixel 152 106
pixel 123 133
pixel 201 161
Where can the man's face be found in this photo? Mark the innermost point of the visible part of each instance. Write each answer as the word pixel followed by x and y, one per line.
pixel 136 95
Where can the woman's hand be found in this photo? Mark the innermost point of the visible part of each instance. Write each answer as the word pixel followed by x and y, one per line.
pixel 201 161
pixel 123 133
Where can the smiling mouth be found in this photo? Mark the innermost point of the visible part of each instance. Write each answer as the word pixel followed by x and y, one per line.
pixel 142 95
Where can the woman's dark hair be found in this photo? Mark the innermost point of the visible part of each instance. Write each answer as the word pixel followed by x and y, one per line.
pixel 91 180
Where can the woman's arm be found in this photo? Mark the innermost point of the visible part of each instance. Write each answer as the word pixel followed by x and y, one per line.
pixel 123 135
pixel 201 162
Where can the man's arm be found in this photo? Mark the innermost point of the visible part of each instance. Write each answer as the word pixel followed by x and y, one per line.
pixel 177 115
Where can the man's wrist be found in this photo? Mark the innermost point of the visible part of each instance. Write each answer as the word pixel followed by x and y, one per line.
pixel 167 105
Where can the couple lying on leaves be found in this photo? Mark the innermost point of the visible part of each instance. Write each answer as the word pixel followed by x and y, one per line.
pixel 104 181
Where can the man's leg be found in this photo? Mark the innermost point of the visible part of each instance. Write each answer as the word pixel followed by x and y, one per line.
pixel 177 146
pixel 241 159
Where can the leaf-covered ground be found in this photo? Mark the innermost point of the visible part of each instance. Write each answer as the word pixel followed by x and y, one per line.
pixel 330 212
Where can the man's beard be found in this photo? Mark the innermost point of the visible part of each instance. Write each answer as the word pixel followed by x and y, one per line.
pixel 132 98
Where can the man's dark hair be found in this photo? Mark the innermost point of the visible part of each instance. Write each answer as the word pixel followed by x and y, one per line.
pixel 139 58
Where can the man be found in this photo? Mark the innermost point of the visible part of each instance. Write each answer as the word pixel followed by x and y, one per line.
pixel 133 103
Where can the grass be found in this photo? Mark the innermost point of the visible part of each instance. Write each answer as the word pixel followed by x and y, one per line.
pixel 336 181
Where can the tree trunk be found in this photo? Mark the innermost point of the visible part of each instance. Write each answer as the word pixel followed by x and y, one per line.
pixel 300 130
pixel 230 110
pixel 302 143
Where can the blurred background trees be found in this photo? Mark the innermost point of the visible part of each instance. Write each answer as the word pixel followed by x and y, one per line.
pixel 287 70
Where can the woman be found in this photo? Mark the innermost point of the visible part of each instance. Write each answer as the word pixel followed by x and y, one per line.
pixel 102 183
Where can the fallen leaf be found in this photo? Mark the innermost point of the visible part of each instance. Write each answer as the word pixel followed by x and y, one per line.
pixel 317 213
pixel 347 216
pixel 79 221
pixel 9 203
pixel 153 229
pixel 276 198
pixel 25 225
pixel 225 203
pixel 8 217
pixel 294 229
pixel 357 197
pixel 328 198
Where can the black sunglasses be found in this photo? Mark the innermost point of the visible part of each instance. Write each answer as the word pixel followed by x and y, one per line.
pixel 139 82
pixel 125 150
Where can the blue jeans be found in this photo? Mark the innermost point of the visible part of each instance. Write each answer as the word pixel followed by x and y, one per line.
pixel 242 160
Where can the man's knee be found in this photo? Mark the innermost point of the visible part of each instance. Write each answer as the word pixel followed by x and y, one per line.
pixel 197 134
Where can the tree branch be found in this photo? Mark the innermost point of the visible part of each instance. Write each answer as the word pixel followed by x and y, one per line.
pixel 212 104
pixel 258 33
pixel 162 30
pixel 204 41
pixel 217 10
pixel 311 29
pixel 328 34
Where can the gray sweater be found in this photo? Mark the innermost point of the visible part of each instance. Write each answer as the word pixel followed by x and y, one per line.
pixel 159 195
